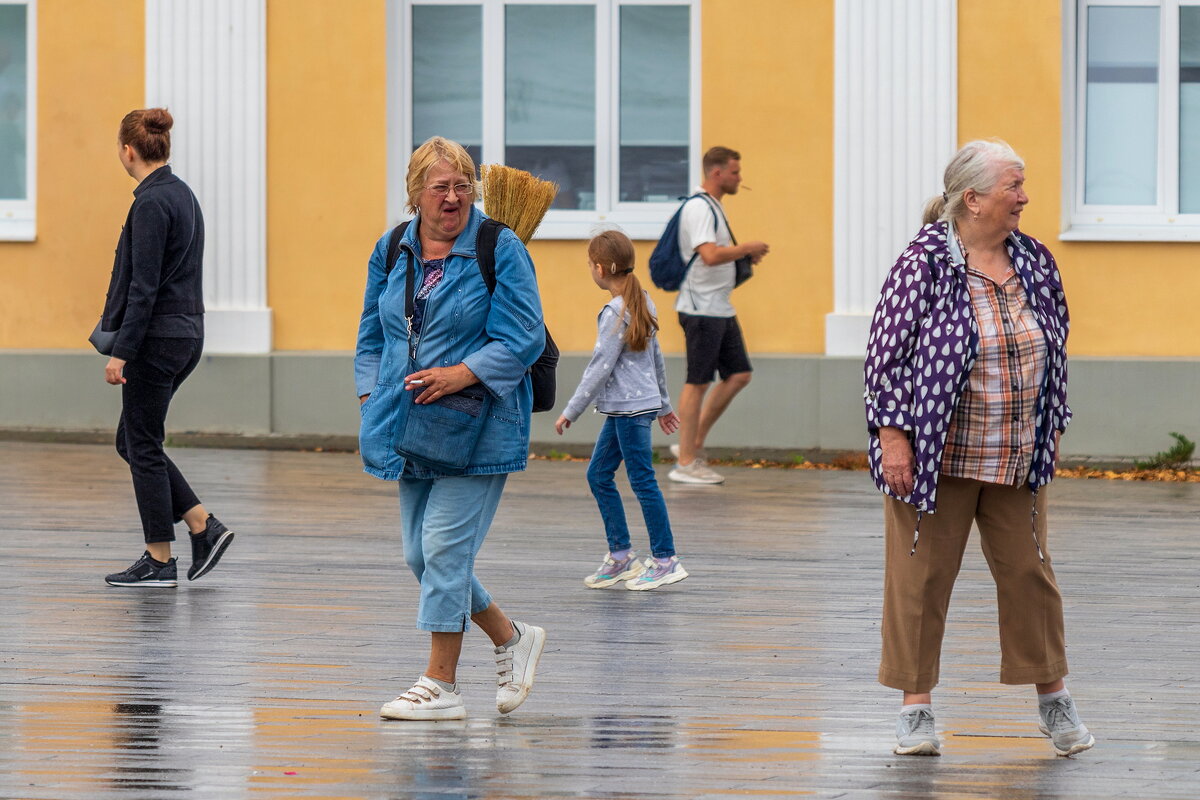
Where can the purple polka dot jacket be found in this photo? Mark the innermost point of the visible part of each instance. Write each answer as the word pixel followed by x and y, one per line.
pixel 923 344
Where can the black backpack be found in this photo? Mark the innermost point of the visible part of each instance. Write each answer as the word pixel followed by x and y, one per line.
pixel 541 374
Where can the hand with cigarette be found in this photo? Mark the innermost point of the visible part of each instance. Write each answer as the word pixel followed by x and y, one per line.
pixel 437 382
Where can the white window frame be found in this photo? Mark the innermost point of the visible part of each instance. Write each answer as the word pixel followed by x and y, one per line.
pixel 18 218
pixel 639 220
pixel 1161 221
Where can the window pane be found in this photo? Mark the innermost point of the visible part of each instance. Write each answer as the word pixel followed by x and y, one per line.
pixel 1189 109
pixel 13 102
pixel 550 97
pixel 447 75
pixel 1121 155
pixel 655 89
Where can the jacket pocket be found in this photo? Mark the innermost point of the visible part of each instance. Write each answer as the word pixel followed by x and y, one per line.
pixel 376 429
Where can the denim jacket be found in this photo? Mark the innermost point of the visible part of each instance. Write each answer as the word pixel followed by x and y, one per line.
pixel 618 380
pixel 497 336
pixel 923 344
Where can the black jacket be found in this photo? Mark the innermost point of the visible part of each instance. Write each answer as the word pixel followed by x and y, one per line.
pixel 157 285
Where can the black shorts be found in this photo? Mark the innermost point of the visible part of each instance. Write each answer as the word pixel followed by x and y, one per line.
pixel 714 344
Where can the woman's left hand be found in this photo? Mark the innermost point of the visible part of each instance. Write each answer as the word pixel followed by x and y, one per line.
pixel 437 382
pixel 669 422
pixel 112 371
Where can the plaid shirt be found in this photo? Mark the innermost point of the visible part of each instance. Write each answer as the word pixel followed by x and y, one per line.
pixel 992 435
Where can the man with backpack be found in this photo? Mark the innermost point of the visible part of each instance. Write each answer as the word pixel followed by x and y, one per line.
pixel 710 326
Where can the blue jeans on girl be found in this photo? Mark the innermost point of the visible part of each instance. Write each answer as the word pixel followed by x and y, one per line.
pixel 628 439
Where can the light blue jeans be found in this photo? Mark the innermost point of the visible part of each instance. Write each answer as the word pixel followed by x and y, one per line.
pixel 443 522
pixel 628 439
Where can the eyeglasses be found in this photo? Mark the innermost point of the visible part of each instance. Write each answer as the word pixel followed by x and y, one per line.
pixel 460 189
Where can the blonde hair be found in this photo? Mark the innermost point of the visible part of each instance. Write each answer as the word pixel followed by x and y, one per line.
pixel 977 165
pixel 432 152
pixel 613 251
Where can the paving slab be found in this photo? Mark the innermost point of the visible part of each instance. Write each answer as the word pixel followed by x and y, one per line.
pixel 755 677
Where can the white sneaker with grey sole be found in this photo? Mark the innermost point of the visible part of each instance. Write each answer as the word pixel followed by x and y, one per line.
pixel 517 665
pixel 425 701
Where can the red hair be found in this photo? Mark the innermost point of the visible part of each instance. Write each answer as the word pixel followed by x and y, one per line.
pixel 148 132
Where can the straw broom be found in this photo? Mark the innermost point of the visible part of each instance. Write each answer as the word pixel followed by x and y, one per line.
pixel 516 198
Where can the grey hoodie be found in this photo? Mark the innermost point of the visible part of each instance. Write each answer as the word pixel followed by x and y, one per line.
pixel 618 380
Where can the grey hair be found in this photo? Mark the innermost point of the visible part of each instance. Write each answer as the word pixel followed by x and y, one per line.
pixel 977 165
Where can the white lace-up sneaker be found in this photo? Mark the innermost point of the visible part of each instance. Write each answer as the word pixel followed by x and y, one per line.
pixel 425 701
pixel 1060 721
pixel 915 735
pixel 516 666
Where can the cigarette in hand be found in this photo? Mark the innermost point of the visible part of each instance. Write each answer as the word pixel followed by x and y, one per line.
pixel 417 382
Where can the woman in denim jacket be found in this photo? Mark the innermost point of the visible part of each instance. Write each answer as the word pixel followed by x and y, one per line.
pixel 460 336
pixel 966 382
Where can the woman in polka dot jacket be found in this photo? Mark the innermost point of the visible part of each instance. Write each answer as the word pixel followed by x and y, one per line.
pixel 966 383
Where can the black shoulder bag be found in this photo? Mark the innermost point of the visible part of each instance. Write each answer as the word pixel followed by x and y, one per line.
pixel 744 266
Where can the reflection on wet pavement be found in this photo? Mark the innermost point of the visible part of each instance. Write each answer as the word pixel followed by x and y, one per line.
pixel 753 678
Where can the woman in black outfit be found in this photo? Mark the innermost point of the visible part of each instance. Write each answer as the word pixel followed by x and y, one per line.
pixel 155 303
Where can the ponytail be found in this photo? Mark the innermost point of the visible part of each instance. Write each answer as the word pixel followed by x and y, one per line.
pixel 934 209
pixel 613 249
pixel 642 324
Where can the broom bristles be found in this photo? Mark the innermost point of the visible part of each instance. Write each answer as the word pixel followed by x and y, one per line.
pixel 516 198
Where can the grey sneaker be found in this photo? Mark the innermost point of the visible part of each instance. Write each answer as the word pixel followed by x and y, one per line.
pixel 657 574
pixel 695 472
pixel 1060 721
pixel 611 571
pixel 516 666
pixel 915 735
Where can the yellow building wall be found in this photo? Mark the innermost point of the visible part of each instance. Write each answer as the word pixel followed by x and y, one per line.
pixel 90 73
pixel 327 192
pixel 778 113
pixel 326 165
pixel 1126 298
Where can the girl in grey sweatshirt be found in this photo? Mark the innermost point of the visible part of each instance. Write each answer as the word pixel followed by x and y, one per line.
pixel 626 380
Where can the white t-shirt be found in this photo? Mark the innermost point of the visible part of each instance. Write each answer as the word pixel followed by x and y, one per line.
pixel 706 289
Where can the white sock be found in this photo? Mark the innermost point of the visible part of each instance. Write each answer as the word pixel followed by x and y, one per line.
pixel 1050 697
pixel 916 707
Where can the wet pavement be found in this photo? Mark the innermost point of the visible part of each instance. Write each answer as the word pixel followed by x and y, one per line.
pixel 755 677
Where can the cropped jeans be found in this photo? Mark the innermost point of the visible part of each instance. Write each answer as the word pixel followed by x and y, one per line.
pixel 443 523
pixel 628 439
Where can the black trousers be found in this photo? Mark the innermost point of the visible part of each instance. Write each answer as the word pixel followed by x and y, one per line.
pixel 150 381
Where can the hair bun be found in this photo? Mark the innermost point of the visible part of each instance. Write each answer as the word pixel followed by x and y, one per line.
pixel 158 120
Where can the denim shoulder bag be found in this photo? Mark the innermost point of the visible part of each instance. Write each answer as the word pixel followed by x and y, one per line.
pixel 441 435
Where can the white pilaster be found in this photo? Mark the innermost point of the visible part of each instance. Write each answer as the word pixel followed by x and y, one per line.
pixel 895 114
pixel 206 61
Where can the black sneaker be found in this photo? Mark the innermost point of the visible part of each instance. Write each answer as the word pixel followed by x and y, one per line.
pixel 145 572
pixel 208 546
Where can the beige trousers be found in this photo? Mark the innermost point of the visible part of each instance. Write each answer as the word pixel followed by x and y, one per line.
pixel 916 588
